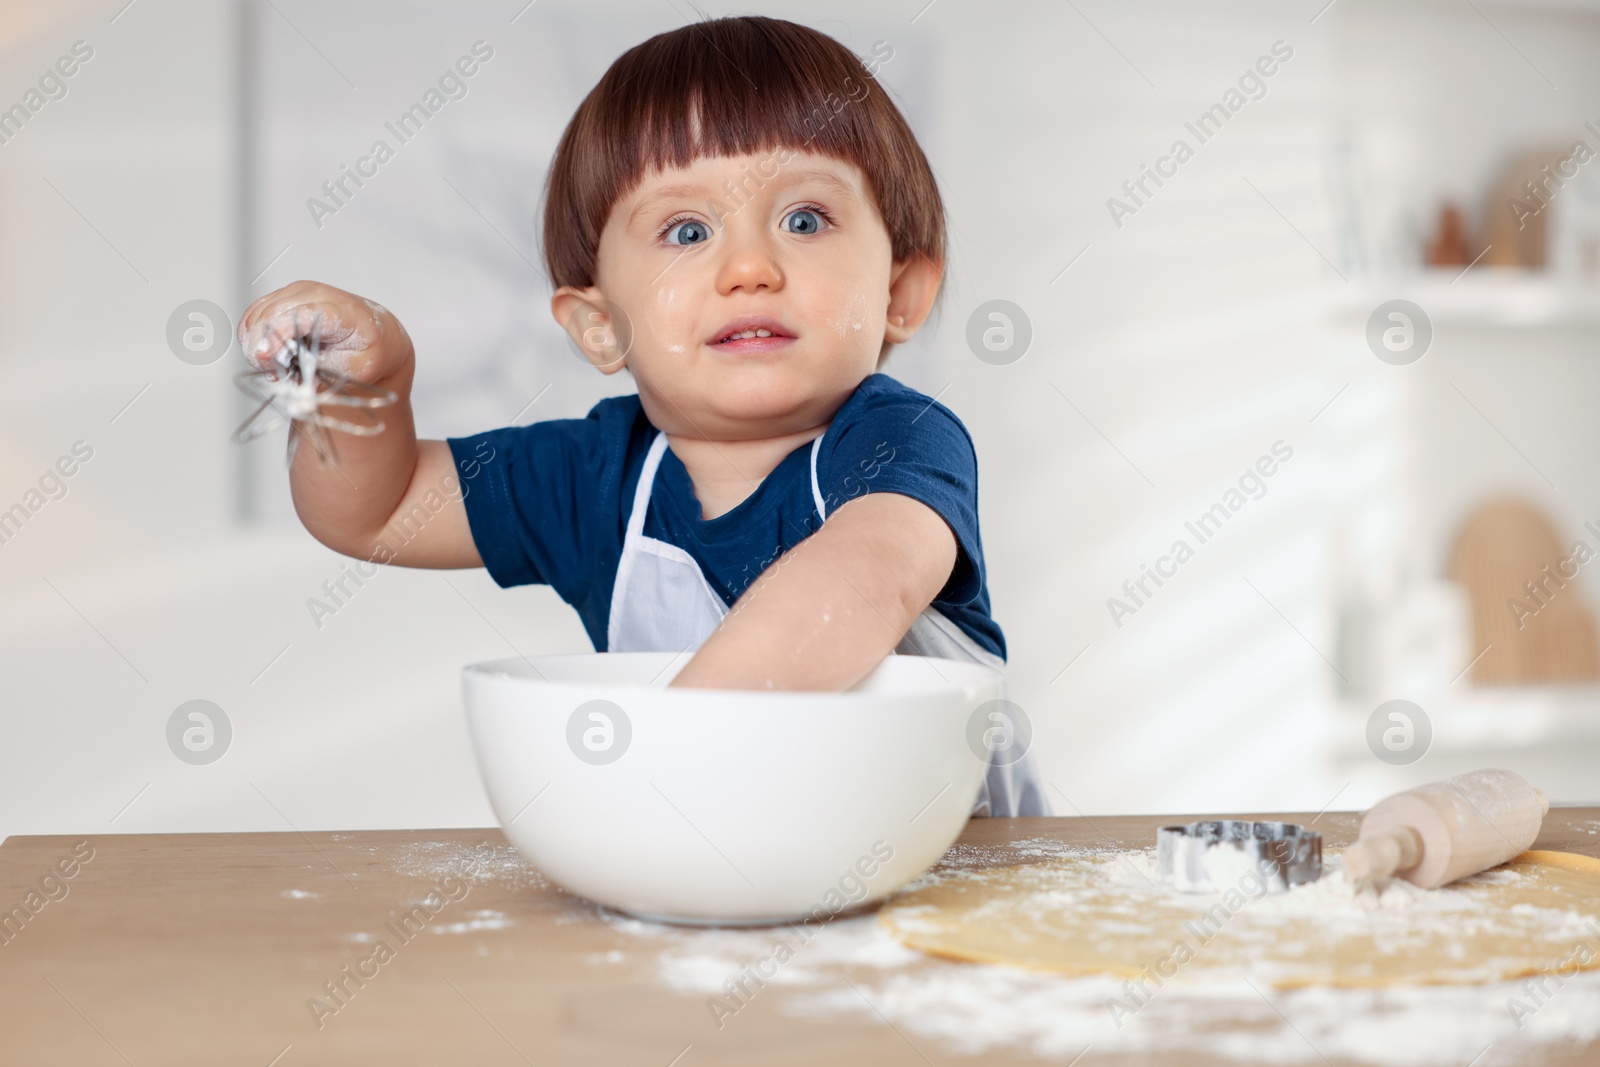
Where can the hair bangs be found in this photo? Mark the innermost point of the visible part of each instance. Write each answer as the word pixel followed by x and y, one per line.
pixel 704 105
pixel 726 87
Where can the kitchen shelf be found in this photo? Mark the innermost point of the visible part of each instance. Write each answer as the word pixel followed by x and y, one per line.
pixel 1496 297
pixel 1506 717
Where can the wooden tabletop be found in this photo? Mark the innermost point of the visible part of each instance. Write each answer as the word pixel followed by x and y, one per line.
pixel 213 949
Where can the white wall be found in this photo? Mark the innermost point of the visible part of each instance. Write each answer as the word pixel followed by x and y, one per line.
pixel 1190 339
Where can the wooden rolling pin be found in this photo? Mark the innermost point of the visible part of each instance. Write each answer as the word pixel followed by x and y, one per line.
pixel 1442 831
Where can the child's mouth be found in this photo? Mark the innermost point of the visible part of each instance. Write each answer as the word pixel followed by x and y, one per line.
pixel 751 336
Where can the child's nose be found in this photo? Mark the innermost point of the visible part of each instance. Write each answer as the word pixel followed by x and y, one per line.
pixel 750 261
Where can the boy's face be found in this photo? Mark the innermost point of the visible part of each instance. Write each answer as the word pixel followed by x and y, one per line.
pixel 792 238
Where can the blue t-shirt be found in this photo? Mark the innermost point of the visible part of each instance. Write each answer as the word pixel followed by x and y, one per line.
pixel 548 502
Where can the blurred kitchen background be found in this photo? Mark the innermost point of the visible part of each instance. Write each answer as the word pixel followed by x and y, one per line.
pixel 1175 341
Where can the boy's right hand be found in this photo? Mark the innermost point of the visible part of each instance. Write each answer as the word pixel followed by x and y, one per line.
pixel 359 339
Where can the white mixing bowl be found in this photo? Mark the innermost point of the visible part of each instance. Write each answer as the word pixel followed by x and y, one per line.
pixel 735 807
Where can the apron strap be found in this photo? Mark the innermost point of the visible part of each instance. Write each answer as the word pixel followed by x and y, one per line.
pixel 816 490
pixel 641 492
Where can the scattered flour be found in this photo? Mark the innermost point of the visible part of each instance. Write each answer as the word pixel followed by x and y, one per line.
pixel 971 1009
pixel 480 863
pixel 485 919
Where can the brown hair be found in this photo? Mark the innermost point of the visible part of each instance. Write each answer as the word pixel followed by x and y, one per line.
pixel 726 87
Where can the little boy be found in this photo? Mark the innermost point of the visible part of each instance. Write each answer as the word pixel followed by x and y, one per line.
pixel 741 218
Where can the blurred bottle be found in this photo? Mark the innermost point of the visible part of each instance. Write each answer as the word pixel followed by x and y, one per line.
pixel 1449 246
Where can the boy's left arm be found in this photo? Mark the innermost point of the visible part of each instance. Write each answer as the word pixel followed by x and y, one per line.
pixel 831 608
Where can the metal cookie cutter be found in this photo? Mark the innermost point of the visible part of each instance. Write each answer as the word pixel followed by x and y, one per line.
pixel 1192 857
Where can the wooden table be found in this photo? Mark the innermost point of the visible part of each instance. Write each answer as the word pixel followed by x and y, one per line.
pixel 206 949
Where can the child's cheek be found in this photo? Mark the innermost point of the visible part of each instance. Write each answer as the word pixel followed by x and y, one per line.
pixel 664 338
pixel 849 320
pixel 672 324
pixel 667 298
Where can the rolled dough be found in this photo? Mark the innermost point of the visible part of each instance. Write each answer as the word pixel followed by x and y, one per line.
pixel 1100 913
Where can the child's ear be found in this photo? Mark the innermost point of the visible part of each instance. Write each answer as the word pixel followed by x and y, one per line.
pixel 913 285
pixel 598 330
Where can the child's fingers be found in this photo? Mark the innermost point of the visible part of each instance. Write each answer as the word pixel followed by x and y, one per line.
pixel 266 325
pixel 335 326
pixel 255 325
pixel 273 325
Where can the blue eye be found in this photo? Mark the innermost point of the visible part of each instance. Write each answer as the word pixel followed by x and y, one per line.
pixel 809 220
pixel 694 232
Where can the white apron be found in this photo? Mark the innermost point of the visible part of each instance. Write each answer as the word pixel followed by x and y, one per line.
pixel 661 602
